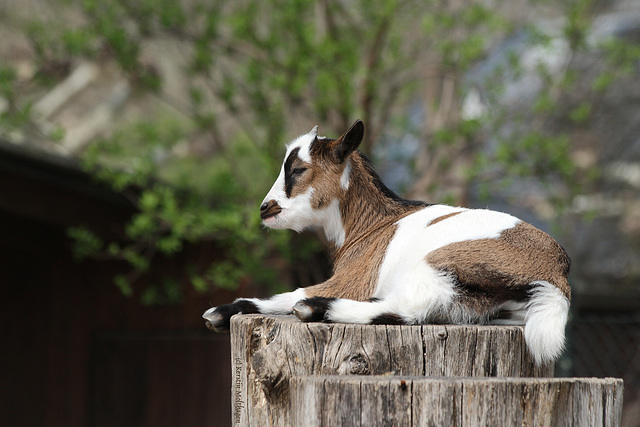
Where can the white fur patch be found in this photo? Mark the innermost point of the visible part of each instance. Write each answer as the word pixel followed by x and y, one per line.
pixel 279 304
pixel 277 191
pixel 422 293
pixel 344 178
pixel 298 215
pixel 546 318
pixel 296 211
pixel 404 262
pixel 350 311
pixel 304 143
pixel 331 221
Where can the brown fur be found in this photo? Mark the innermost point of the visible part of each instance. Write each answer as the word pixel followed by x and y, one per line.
pixel 442 218
pixel 368 218
pixel 488 271
pixel 491 271
pixel 327 188
pixel 356 269
pixel 305 180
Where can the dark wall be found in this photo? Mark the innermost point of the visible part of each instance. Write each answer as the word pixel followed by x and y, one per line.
pixel 75 351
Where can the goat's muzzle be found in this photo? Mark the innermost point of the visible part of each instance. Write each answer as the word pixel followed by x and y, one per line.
pixel 269 209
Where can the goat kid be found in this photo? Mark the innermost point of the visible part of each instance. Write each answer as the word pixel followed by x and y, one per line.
pixel 405 262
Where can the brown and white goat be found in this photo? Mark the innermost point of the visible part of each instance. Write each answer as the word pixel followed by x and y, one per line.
pixel 405 262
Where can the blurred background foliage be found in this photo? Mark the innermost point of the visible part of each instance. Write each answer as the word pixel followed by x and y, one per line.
pixel 472 99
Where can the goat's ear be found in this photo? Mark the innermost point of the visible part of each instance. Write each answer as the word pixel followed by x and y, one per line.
pixel 348 142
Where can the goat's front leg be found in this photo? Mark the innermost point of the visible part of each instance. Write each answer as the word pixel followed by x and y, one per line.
pixel 321 298
pixel 218 318
pixel 340 310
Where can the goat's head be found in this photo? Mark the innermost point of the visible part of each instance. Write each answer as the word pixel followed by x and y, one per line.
pixel 313 178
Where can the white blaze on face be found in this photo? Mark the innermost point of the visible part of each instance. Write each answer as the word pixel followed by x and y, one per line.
pixel 296 212
pixel 291 207
pixel 303 142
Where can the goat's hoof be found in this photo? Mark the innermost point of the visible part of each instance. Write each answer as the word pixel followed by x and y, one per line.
pixel 302 311
pixel 215 321
pixel 218 318
pixel 312 309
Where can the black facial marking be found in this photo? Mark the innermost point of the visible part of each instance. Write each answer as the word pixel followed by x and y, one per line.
pixel 289 176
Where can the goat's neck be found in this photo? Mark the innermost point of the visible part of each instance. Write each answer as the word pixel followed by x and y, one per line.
pixel 369 207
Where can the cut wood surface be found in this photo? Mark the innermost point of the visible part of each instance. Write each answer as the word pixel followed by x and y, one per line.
pixel 267 351
pixel 419 401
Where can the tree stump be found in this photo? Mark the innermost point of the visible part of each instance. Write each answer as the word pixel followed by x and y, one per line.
pixel 415 401
pixel 267 351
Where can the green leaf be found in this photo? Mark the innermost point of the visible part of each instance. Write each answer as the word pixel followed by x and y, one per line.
pixel 86 242
pixel 124 285
pixel 603 81
pixel 582 113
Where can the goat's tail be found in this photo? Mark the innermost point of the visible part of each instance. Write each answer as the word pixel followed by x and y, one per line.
pixel 546 317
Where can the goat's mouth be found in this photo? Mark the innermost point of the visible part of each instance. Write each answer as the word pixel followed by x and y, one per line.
pixel 267 215
pixel 269 210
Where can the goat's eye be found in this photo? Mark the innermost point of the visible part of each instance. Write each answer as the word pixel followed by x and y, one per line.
pixel 298 171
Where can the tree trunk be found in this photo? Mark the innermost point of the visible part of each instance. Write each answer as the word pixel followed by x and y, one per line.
pixel 415 401
pixel 267 351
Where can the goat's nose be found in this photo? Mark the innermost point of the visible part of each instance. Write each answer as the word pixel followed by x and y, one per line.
pixel 269 209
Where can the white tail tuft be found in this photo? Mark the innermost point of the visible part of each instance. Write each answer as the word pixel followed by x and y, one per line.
pixel 546 317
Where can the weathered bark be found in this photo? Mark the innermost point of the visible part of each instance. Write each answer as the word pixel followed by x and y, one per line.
pixel 267 351
pixel 416 401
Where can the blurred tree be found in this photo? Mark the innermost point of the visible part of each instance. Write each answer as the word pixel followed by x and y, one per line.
pixel 256 71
